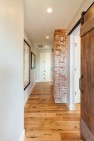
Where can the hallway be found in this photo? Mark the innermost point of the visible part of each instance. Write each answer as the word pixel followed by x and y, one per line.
pixel 43 42
pixel 47 121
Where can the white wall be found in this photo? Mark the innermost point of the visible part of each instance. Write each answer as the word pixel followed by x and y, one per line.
pixel 77 58
pixel 11 70
pixel 33 72
pixel 70 73
pixel 73 86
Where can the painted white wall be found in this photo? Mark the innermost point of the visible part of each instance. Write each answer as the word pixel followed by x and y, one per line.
pixel 70 73
pixel 73 76
pixel 33 72
pixel 11 70
pixel 77 59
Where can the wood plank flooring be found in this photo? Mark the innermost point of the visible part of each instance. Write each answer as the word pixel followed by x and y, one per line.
pixel 47 121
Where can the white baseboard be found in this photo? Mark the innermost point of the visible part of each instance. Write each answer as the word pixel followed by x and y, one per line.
pixel 29 93
pixel 71 107
pixel 44 81
pixel 33 87
pixel 23 136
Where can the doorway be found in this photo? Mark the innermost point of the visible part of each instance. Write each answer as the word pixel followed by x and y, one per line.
pixel 46 66
pixel 75 57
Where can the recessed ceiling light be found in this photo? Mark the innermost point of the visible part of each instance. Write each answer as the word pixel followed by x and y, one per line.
pixel 47 37
pixel 46 46
pixel 49 10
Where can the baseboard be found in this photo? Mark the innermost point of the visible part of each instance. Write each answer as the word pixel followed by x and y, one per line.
pixel 29 93
pixel 33 87
pixel 71 107
pixel 23 136
pixel 44 81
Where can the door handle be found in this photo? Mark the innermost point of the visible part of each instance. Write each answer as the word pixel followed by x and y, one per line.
pixel 80 83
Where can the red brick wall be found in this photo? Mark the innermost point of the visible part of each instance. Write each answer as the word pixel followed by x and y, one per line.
pixel 60 70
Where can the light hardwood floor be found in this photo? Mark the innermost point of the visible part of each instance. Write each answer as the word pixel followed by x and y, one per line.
pixel 47 121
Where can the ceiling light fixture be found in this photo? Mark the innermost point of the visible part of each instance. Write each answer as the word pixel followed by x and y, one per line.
pixel 49 10
pixel 46 46
pixel 47 37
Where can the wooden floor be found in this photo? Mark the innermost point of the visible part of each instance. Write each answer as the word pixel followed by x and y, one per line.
pixel 47 121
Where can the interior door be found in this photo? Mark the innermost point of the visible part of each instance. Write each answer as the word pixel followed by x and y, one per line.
pixel 87 75
pixel 46 66
pixel 42 67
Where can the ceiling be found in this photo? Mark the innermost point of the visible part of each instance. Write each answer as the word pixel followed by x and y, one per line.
pixel 39 24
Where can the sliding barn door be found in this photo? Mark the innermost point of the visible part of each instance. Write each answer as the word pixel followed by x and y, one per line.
pixel 87 75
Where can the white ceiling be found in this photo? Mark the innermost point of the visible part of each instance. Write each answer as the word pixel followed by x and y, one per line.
pixel 39 24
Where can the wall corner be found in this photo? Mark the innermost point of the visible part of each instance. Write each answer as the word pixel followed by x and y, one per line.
pixel 23 136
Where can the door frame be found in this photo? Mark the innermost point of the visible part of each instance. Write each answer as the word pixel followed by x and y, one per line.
pixel 71 72
pixel 87 35
pixel 70 83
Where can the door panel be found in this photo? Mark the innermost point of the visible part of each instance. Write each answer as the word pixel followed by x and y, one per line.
pixel 87 76
pixel 87 71
pixel 83 103
pixel 42 66
pixel 48 66
pixel 45 66
pixel 91 120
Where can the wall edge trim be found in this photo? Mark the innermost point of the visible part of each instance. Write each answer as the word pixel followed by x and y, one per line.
pixel 70 107
pixel 23 136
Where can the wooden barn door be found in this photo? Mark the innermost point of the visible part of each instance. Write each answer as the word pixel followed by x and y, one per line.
pixel 87 75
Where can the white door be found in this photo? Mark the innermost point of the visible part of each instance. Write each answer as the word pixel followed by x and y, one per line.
pixel 45 66
pixel 77 69
pixel 42 66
